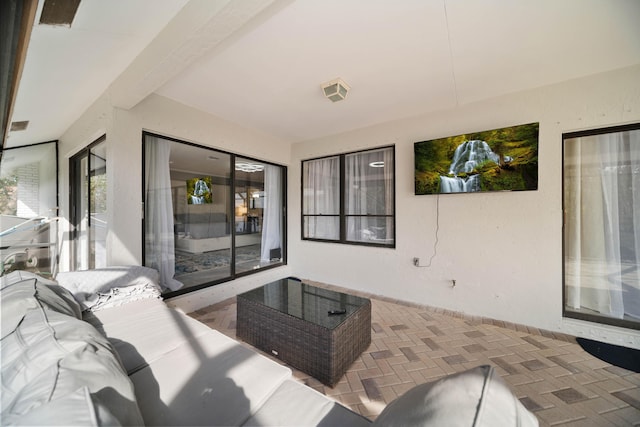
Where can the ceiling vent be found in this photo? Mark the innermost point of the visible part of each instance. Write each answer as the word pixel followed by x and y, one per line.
pixel 59 12
pixel 336 90
pixel 16 126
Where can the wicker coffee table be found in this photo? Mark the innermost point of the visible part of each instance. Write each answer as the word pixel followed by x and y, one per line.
pixel 315 330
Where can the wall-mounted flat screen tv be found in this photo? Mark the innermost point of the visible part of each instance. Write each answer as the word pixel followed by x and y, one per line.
pixel 199 191
pixel 503 159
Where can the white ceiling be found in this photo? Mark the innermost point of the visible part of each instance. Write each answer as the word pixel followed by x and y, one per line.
pixel 67 69
pixel 260 63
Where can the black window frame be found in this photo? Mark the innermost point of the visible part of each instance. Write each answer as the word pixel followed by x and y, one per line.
pixel 233 275
pixel 75 215
pixel 55 255
pixel 573 314
pixel 342 215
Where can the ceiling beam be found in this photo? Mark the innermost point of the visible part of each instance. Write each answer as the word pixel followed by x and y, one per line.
pixel 202 26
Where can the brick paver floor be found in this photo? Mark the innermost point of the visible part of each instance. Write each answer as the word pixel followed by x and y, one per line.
pixel 550 374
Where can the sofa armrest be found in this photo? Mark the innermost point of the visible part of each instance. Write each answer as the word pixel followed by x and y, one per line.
pixel 56 367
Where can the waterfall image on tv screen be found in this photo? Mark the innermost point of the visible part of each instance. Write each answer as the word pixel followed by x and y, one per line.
pixel 503 159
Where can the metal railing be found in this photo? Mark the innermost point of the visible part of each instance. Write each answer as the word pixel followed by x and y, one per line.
pixel 31 247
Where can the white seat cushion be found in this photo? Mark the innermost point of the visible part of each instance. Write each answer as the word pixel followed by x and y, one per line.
pixel 53 362
pixel 156 330
pixel 294 404
pixel 211 380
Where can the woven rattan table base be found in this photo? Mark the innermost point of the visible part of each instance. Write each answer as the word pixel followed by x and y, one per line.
pixel 323 353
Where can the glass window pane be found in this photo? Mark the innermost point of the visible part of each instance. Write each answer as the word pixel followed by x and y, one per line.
pixel 28 209
pixel 258 214
pixel 321 227
pixel 199 228
pixel 81 242
pixel 98 203
pixel 369 182
pixel 602 219
pixel 89 206
pixel 354 190
pixel 321 186
pixel 187 221
pixel 370 229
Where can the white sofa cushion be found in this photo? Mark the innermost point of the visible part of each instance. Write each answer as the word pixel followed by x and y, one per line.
pixel 476 397
pixel 143 331
pixel 111 286
pixel 51 354
pixel 294 404
pixel 18 299
pixel 211 380
pixel 73 409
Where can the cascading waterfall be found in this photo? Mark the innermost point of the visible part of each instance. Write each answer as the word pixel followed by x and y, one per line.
pixel 456 184
pixel 468 156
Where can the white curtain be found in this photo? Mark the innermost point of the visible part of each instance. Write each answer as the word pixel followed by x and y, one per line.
pixel 602 230
pixel 321 193
pixel 272 213
pixel 159 241
pixel 357 188
pixel 369 193
pixel 389 191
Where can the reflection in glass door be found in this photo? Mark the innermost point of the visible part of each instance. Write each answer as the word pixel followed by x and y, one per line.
pixel 201 180
pixel 89 207
pixel 258 214
pixel 209 215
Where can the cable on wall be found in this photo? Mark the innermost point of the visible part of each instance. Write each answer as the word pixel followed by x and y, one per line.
pixel 435 243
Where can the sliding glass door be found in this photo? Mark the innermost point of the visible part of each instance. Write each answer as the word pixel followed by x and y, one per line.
pixel 88 177
pixel 602 226
pixel 258 208
pixel 210 216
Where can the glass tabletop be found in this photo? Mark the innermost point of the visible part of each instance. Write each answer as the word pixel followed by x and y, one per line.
pixel 322 307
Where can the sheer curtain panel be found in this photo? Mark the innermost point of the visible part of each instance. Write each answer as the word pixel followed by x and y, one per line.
pixel 321 193
pixel 272 215
pixel 159 233
pixel 602 224
pixel 369 195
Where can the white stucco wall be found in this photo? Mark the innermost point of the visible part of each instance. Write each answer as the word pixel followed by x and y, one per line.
pixel 95 122
pixel 503 249
pixel 124 174
pixel 169 118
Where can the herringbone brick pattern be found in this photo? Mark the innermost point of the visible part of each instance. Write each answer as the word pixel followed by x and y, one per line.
pixel 550 374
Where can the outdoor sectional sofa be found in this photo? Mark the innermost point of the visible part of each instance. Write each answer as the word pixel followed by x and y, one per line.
pixel 101 348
